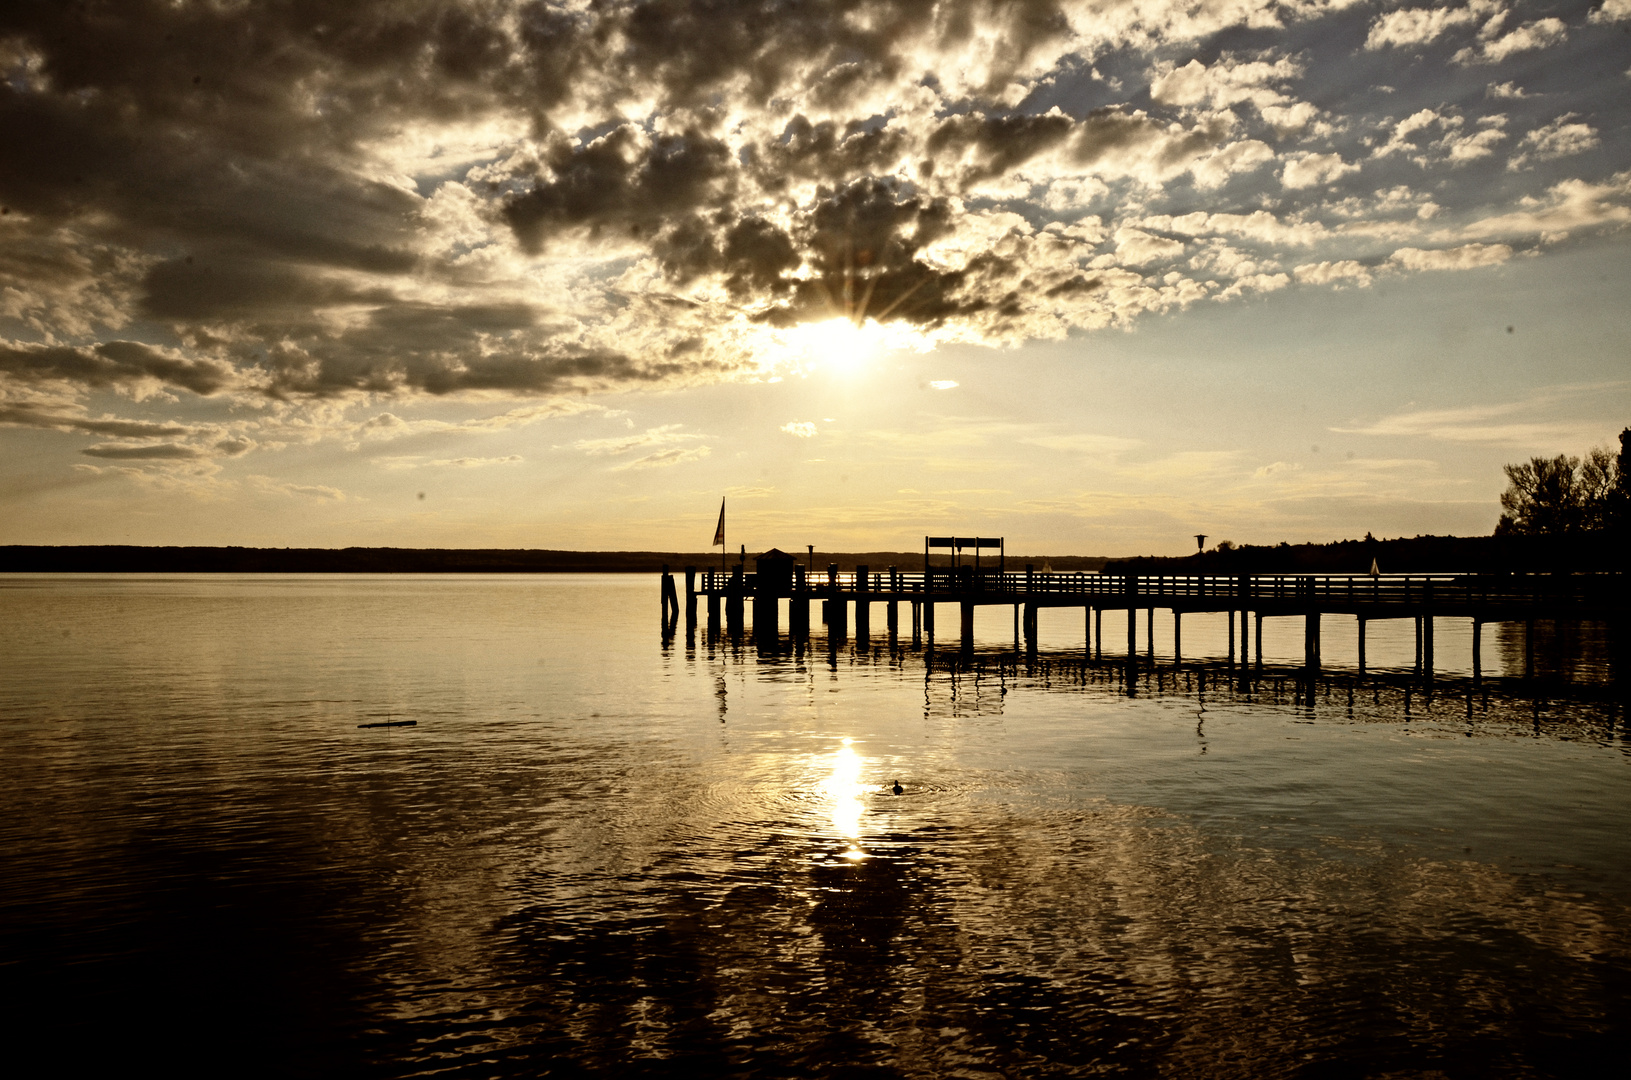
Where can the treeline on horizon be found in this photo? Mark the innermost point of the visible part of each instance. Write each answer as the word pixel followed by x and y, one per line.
pixel 129 559
pixel 1577 551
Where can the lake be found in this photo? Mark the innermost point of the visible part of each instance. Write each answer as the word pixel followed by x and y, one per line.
pixel 597 852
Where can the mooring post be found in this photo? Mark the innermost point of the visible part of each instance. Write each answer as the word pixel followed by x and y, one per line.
pixel 1311 641
pixel 798 606
pixel 1177 638
pixel 1477 651
pixel 690 599
pixel 1098 633
pixel 733 602
pixel 892 611
pixel 1361 644
pixel 863 607
pixel 1259 617
pixel 1030 628
pixel 968 625
pixel 1418 646
pixel 1427 629
pixel 1087 630
pixel 1231 621
pixel 713 603
pixel 1149 633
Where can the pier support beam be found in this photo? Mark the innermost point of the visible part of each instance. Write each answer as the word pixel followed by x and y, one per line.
pixel 1231 621
pixel 863 607
pixel 733 602
pixel 1477 651
pixel 1177 638
pixel 1098 633
pixel 1087 629
pixel 713 613
pixel 1149 634
pixel 690 599
pixel 928 620
pixel 1259 644
pixel 1132 633
pixel 968 626
pixel 1311 642
pixel 1361 644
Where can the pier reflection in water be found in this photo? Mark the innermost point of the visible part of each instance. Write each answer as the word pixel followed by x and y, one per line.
pixel 594 855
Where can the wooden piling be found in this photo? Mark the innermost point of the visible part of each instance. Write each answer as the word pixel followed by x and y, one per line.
pixel 1477 651
pixel 1177 638
pixel 1361 644
pixel 968 625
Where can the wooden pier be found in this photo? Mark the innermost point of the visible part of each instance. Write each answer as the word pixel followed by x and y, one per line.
pixel 849 598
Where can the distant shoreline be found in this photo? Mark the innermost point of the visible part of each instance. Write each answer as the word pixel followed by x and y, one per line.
pixel 130 559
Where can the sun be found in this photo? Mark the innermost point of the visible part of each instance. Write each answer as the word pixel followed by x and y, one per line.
pixel 847 347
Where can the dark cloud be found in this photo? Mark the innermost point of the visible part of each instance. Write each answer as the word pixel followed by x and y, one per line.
pixel 467 196
pixel 115 364
pixel 29 414
pixel 145 452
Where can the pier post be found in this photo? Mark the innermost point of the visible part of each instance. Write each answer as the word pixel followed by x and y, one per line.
pixel 1030 628
pixel 1311 642
pixel 892 609
pixel 1132 632
pixel 1087 629
pixel 1259 644
pixel 1477 652
pixel 665 586
pixel 1418 646
pixel 863 607
pixel 713 605
pixel 1098 632
pixel 1361 644
pixel 798 606
pixel 1245 640
pixel 1016 628
pixel 690 599
pixel 1177 638
pixel 1149 633
pixel 928 619
pixel 968 626
pixel 1427 661
pixel 733 602
pixel 1231 621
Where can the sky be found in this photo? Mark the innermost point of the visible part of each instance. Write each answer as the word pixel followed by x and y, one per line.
pixel 1094 277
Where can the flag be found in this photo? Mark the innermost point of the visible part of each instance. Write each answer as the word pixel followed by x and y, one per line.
pixel 719 533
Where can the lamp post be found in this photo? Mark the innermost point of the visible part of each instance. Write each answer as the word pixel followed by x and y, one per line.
pixel 1200 543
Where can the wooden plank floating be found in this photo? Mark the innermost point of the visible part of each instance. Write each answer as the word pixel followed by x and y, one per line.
pixel 969 583
pixel 391 723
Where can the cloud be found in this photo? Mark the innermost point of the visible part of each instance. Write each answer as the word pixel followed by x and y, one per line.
pixel 1333 273
pixel 144 451
pixel 663 459
pixel 373 205
pixel 1611 11
pixel 1311 169
pixel 1560 138
pixel 665 435
pixel 1466 257
pixel 803 429
pixel 320 492
pixel 475 462
pixel 1540 34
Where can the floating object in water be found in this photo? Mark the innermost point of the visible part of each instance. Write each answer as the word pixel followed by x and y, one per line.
pixel 897 789
pixel 391 723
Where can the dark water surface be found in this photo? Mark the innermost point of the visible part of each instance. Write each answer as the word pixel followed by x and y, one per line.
pixel 595 855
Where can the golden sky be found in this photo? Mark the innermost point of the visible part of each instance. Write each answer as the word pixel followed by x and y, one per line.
pixel 1091 276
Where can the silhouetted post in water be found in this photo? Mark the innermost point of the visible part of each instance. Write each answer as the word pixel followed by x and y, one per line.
pixel 671 600
pixel 1016 628
pixel 1361 644
pixel 1177 639
pixel 1087 631
pixel 1231 620
pixel 968 625
pixel 1149 633
pixel 1418 647
pixel 928 620
pixel 1245 640
pixel 1311 642
pixel 863 607
pixel 1260 644
pixel 1477 652
pixel 798 606
pixel 837 610
pixel 1098 633
pixel 1427 630
pixel 690 599
pixel 917 622
pixel 892 609
pixel 713 605
pixel 733 602
pixel 1030 629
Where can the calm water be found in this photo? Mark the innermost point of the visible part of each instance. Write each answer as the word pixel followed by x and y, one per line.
pixel 598 855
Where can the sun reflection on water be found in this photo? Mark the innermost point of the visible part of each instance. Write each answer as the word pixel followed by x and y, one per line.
pixel 844 788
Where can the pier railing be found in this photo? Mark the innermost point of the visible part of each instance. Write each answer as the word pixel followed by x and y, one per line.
pixel 1328 592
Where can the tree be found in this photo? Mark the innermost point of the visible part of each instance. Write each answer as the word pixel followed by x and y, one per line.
pixel 1566 494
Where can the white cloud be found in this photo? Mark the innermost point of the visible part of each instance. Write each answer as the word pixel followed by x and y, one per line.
pixel 1508 89
pixel 1311 169
pixel 664 459
pixel 1137 247
pixel 1540 34
pixel 1466 257
pixel 1420 26
pixel 1333 273
pixel 666 435
pixel 802 429
pixel 1560 138
pixel 1611 11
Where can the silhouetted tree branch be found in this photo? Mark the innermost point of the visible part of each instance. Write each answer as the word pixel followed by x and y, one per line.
pixel 1566 494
